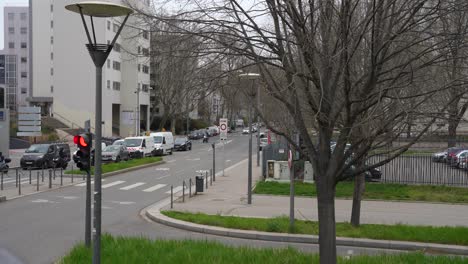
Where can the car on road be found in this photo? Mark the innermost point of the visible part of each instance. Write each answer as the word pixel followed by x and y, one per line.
pixel 196 134
pixel 439 156
pixel 120 142
pixel 115 153
pixel 246 130
pixel 263 142
pixel 182 143
pixel 50 155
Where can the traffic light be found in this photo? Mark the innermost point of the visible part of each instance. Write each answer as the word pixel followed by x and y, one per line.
pixel 84 144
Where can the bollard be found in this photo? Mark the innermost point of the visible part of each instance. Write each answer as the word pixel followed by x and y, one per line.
pixel 72 177
pixel 61 177
pixel 190 188
pixel 50 179
pixel 211 177
pixel 206 179
pixel 172 197
pixel 1 184
pixel 16 177
pixel 19 184
pixel 30 182
pixel 54 173
pixel 183 191
pixel 42 174
pixel 37 185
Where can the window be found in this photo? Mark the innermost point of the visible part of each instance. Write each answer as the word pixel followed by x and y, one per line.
pixel 51 88
pixel 11 16
pixel 51 40
pixel 23 45
pixel 23 16
pixel 51 8
pixel 145 69
pixel 117 47
pixel 51 24
pixel 144 88
pixel 115 27
pixel 116 65
pixel 145 34
pixel 139 67
pixel 24 30
pixel 51 71
pixel 108 25
pixel 116 86
pixel 108 84
pixel 24 75
pixel 24 90
pixel 24 60
pixel 145 52
pixel 108 64
pixel 139 49
pixel 11 45
pixel 157 110
pixel 51 55
pixel 11 30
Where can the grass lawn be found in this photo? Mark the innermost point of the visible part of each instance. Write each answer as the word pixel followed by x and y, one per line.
pixel 379 191
pixel 116 250
pixel 110 167
pixel 441 235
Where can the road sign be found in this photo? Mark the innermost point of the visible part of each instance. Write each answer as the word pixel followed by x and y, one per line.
pixel 223 128
pixel 29 121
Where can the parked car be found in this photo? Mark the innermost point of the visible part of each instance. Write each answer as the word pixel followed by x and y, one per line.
pixel 196 134
pixel 163 142
pixel 120 142
pixel 439 156
pixel 50 155
pixel 182 143
pixel 246 130
pixel 451 153
pixel 140 147
pixel 115 153
pixel 4 163
pixel 455 159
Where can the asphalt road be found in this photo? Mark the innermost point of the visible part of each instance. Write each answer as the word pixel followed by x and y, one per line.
pixel 43 227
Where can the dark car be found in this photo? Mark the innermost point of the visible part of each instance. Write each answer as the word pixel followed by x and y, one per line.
pixel 182 143
pixel 194 135
pixel 50 155
pixel 115 153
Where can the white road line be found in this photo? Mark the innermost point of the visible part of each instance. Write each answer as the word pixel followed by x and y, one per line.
pixel 23 180
pixel 169 161
pixel 132 186
pixel 154 188
pixel 84 183
pixel 112 184
pixel 162 177
pixel 163 169
pixel 176 189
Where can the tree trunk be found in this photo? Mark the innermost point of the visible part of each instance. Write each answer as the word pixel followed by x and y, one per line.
pixel 173 125
pixel 452 131
pixel 326 217
pixel 359 187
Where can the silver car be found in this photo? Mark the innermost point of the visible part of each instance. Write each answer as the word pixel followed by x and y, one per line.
pixel 115 153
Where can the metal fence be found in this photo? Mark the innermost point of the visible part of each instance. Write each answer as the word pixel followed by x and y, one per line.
pixel 416 169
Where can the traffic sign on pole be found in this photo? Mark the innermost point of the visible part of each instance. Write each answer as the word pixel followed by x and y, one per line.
pixel 223 128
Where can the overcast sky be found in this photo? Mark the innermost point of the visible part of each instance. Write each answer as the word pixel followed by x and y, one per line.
pixel 4 3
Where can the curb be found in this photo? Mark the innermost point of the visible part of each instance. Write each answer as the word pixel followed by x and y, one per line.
pixel 153 212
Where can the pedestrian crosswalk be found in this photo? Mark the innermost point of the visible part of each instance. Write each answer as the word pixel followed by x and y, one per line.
pixel 129 187
pixel 154 188
pixel 147 188
pixel 112 184
pixel 176 189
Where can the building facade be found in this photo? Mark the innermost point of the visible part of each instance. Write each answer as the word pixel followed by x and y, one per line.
pixel 64 73
pixel 16 47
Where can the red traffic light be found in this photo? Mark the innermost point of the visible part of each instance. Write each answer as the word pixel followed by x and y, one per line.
pixel 80 141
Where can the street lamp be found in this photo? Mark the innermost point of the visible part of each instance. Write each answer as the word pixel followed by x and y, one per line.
pixel 252 77
pixel 137 113
pixel 99 54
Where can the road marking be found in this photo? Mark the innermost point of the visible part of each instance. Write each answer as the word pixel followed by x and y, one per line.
pixel 112 184
pixel 176 189
pixel 42 201
pixel 124 203
pixel 27 180
pixel 193 159
pixel 132 186
pixel 84 183
pixel 169 161
pixel 162 177
pixel 163 169
pixel 228 160
pixel 68 197
pixel 154 188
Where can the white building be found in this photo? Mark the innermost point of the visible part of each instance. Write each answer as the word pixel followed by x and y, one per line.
pixel 64 73
pixel 16 47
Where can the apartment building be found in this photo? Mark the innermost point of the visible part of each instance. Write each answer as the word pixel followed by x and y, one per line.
pixel 64 74
pixel 15 55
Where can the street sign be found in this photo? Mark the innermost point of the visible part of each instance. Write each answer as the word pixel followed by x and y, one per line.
pixel 29 121
pixel 223 128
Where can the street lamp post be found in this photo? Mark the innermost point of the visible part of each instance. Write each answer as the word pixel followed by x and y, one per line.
pixel 99 54
pixel 252 77
pixel 137 113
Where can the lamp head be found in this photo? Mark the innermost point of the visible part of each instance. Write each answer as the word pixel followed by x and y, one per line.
pixel 99 9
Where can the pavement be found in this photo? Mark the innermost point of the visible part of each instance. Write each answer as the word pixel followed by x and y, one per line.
pixel 228 196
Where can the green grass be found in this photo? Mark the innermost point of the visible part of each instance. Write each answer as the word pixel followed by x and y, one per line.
pixel 110 167
pixel 377 191
pixel 441 235
pixel 116 250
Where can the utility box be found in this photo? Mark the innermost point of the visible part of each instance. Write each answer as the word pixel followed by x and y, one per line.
pixel 199 184
pixel 270 168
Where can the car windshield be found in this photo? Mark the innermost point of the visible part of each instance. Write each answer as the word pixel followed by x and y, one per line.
pixel 158 139
pixel 180 140
pixel 264 140
pixel 133 142
pixel 111 148
pixel 42 148
pixel 119 142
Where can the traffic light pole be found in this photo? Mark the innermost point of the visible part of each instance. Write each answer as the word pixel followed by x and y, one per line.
pixel 97 168
pixel 88 210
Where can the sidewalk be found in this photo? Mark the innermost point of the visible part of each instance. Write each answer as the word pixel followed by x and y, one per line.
pixel 228 196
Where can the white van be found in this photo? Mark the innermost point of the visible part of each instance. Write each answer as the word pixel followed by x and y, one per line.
pixel 163 142
pixel 139 147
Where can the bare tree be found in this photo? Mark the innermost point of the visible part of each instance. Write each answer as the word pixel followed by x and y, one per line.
pixel 350 70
